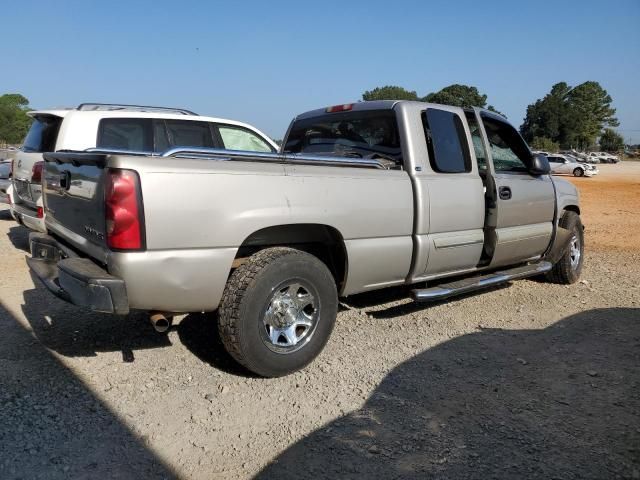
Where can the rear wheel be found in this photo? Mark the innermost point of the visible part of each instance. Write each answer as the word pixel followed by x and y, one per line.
pixel 578 172
pixel 567 270
pixel 278 311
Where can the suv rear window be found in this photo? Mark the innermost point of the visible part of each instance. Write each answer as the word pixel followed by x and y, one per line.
pixel 125 133
pixel 189 133
pixel 364 134
pixel 43 134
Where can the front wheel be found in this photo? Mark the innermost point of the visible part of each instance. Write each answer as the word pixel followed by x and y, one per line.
pixel 567 270
pixel 278 311
pixel 578 172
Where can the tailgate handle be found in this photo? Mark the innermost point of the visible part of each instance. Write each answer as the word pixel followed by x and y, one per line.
pixel 65 180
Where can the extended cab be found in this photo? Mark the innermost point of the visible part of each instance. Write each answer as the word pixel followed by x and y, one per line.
pixel 132 128
pixel 362 196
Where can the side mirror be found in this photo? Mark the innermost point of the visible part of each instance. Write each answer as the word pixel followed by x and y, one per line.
pixel 539 165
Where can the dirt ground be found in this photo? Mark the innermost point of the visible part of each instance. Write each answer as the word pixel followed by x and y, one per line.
pixel 530 380
pixel 611 206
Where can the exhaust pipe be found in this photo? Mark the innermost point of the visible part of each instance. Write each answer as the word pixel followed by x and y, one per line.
pixel 160 322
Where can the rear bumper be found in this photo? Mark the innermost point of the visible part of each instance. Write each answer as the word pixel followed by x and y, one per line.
pixel 74 279
pixel 28 217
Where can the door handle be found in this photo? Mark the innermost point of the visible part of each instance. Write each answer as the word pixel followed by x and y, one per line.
pixel 504 193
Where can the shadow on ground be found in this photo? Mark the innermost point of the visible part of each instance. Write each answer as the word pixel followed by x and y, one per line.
pixel 198 332
pixel 563 402
pixel 52 426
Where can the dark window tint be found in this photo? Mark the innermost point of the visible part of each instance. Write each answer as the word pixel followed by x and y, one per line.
pixel 448 149
pixel 360 134
pixel 476 138
pixel 161 142
pixel 125 133
pixel 555 159
pixel 185 133
pixel 43 134
pixel 508 150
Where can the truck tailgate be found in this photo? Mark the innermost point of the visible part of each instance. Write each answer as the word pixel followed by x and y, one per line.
pixel 74 200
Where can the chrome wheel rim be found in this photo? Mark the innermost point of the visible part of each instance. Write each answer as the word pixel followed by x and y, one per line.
pixel 290 317
pixel 574 252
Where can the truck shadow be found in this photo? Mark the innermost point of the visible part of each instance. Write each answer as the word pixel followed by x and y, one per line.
pixel 19 237
pixel 76 332
pixel 198 332
pixel 401 294
pixel 53 426
pixel 6 215
pixel 562 402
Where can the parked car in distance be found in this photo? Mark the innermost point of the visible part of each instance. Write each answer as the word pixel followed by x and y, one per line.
pixel 565 164
pixel 142 129
pixel 362 196
pixel 603 157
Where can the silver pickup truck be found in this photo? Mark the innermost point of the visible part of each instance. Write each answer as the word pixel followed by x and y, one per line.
pixel 361 197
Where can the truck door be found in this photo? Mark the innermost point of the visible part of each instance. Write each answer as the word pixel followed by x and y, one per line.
pixel 449 233
pixel 520 206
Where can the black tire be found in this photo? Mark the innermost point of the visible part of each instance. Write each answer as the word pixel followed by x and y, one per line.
pixel 248 295
pixel 578 172
pixel 565 271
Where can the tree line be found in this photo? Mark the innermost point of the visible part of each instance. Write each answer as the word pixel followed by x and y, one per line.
pixel 14 121
pixel 567 117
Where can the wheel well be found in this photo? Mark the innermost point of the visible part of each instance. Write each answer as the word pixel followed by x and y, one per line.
pixel 572 208
pixel 322 241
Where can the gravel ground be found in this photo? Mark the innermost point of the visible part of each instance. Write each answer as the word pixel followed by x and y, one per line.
pixel 531 380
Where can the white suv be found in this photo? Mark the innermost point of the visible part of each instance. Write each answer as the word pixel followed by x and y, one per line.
pixel 116 127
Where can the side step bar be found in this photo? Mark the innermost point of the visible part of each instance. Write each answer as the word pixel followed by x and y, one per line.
pixel 467 285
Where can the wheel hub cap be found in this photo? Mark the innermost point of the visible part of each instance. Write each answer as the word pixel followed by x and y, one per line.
pixel 290 318
pixel 574 252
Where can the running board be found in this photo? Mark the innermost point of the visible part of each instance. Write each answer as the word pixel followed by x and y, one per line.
pixel 472 284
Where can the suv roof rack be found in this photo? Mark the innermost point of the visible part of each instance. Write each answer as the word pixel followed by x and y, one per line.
pixel 139 108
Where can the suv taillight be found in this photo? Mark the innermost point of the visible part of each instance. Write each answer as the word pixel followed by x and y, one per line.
pixel 123 210
pixel 36 172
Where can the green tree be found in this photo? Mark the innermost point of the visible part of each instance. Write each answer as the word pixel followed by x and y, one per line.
pixel 544 143
pixel 611 141
pixel 389 92
pixel 458 96
pixel 571 117
pixel 14 121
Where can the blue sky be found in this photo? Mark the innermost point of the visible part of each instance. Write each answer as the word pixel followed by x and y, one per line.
pixel 264 62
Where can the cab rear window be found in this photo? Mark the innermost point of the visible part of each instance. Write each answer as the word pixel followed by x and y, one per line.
pixel 360 134
pixel 43 134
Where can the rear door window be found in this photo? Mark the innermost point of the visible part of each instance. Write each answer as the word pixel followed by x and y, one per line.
pixel 126 133
pixel 188 133
pixel 446 141
pixel 43 134
pixel 238 138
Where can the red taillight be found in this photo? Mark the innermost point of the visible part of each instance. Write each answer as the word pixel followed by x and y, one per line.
pixel 122 213
pixel 36 172
pixel 340 108
pixel 40 212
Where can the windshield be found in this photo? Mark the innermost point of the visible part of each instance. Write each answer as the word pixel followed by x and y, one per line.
pixel 364 134
pixel 43 134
